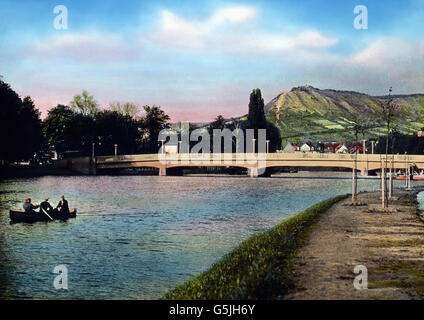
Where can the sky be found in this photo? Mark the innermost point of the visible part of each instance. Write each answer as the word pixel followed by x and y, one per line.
pixel 199 59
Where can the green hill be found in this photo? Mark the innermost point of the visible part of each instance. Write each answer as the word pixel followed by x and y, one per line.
pixel 309 113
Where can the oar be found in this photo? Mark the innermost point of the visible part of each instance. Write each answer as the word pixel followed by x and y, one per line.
pixel 47 214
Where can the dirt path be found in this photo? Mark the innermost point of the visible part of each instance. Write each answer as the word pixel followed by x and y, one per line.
pixel 390 245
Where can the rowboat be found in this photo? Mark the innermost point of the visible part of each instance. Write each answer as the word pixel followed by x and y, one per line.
pixel 21 216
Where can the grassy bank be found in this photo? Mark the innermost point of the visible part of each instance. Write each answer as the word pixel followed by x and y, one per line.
pixel 259 267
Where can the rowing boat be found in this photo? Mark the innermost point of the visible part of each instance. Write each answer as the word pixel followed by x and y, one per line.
pixel 21 216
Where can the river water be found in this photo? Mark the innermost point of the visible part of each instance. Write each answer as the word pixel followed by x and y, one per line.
pixel 138 236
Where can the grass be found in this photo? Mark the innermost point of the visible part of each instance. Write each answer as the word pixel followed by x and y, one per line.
pixel 259 267
pixel 404 275
pixel 399 243
pixel 407 275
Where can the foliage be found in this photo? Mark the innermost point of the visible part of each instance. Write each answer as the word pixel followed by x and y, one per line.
pixel 21 128
pixel 256 116
pixel 127 109
pixel 324 115
pixel 154 121
pixel 256 120
pixel 258 267
pixel 113 128
pixel 67 130
pixel 84 104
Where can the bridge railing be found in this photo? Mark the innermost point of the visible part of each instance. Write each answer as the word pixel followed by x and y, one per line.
pixel 398 161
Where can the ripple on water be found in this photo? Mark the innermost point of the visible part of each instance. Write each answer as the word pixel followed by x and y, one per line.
pixel 136 237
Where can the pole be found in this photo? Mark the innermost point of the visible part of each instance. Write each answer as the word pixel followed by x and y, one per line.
pixel 383 185
pixel 253 142
pixel 406 171
pixel 92 150
pixel 391 179
pixel 116 149
pixel 363 145
pixel 354 186
pixel 372 146
pixel 163 151
pixel 267 146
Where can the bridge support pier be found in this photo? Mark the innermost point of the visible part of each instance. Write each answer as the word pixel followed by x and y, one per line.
pixel 162 171
pixel 252 172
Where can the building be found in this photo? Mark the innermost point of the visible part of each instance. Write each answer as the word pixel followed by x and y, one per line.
pixel 307 147
pixel 341 148
pixel 290 148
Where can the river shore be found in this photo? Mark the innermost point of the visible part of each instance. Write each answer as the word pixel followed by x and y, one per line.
pixel 389 244
pixel 313 254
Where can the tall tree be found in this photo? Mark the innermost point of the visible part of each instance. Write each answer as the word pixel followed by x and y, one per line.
pixel 256 119
pixel 32 130
pixel 154 121
pixel 84 104
pixel 21 127
pixel 113 128
pixel 67 130
pixel 256 116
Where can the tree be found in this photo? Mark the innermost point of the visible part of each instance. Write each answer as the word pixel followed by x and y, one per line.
pixel 113 128
pixel 256 116
pixel 218 123
pixel 127 109
pixel 85 104
pixel 154 121
pixel 32 130
pixel 67 130
pixel 21 127
pixel 389 110
pixel 359 123
pixel 256 120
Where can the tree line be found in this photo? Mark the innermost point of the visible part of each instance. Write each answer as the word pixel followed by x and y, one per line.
pixel 76 127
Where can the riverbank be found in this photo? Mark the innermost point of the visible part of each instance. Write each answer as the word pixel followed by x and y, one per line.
pixel 259 266
pixel 389 244
pixel 312 255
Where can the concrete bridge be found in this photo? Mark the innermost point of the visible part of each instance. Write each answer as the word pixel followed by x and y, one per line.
pixel 255 163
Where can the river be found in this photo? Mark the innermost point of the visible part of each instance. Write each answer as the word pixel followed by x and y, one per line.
pixel 138 236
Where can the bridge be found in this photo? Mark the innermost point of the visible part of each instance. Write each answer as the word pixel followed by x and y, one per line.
pixel 255 163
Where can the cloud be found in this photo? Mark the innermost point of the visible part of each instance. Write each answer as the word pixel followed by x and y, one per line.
pixel 227 30
pixel 385 62
pixel 88 46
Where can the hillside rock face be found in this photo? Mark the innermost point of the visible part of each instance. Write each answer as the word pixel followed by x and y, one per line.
pixel 309 113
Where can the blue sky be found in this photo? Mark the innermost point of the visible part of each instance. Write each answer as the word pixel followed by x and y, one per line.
pixel 200 59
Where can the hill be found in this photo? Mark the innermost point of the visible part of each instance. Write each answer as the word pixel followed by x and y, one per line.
pixel 306 112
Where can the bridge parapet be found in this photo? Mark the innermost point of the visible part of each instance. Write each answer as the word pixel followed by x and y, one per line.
pixel 363 162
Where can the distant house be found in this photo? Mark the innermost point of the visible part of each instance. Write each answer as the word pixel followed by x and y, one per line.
pixel 356 147
pixel 307 147
pixel 341 148
pixel 290 148
pixel 330 147
pixel 420 134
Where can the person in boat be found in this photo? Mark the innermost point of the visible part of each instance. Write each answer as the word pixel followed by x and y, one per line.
pixel 62 206
pixel 45 205
pixel 29 207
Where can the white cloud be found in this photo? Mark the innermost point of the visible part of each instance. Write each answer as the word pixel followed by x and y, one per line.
pixel 385 62
pixel 91 46
pixel 233 14
pixel 227 30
